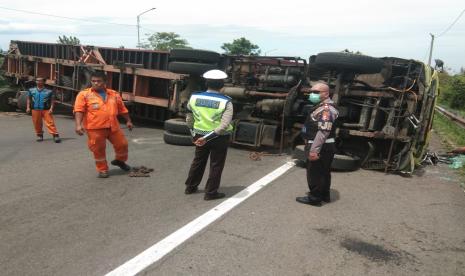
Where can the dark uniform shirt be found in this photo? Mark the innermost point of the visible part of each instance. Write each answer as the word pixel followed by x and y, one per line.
pixel 324 115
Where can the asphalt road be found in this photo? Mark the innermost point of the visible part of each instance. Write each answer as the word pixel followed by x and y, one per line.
pixel 57 218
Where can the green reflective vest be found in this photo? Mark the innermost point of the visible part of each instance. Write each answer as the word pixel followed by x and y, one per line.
pixel 208 108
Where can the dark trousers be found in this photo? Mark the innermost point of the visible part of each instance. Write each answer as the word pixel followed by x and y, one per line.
pixel 319 171
pixel 217 150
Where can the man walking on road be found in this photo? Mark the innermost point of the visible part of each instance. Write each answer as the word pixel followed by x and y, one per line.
pixel 40 103
pixel 96 110
pixel 210 123
pixel 319 133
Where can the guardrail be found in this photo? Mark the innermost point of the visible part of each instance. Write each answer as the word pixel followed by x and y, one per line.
pixel 453 117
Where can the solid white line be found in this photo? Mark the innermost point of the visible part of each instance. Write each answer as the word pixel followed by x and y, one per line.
pixel 163 247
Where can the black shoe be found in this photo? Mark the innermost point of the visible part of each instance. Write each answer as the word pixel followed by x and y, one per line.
pixel 40 138
pixel 310 200
pixel 213 196
pixel 103 175
pixel 56 138
pixel 326 198
pixel 121 165
pixel 190 190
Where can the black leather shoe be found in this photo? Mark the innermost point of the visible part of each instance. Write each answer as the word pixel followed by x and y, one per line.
pixel 326 198
pixel 121 165
pixel 56 138
pixel 40 138
pixel 310 200
pixel 213 196
pixel 190 190
pixel 103 175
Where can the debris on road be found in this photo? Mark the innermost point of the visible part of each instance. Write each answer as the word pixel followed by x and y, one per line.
pixel 141 171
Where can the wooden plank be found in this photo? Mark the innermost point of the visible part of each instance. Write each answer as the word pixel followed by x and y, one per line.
pixel 127 96
pixel 146 72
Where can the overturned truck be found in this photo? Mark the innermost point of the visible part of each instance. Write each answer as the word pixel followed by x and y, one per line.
pixel 386 104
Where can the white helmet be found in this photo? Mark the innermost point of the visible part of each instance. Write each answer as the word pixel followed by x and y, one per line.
pixel 215 75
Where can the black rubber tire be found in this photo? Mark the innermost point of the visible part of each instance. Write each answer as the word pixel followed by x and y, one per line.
pixel 341 61
pixel 299 154
pixel 177 126
pixel 67 81
pixel 5 94
pixel 84 78
pixel 194 55
pixel 177 139
pixel 22 100
pixel 345 163
pixel 190 68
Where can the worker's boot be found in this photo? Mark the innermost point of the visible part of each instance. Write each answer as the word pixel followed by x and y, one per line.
pixel 121 165
pixel 56 138
pixel 213 196
pixel 40 138
pixel 103 174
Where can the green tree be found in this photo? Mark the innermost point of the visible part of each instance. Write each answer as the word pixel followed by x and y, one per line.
pixel 457 91
pixel 71 40
pixel 241 46
pixel 165 41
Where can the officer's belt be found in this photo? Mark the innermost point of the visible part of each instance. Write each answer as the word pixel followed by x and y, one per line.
pixel 330 140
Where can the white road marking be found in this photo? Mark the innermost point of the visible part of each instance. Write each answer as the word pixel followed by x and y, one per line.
pixel 163 247
pixel 152 141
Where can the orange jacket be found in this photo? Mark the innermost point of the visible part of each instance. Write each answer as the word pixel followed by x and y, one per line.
pixel 100 114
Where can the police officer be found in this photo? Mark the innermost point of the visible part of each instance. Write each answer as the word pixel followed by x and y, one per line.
pixel 319 133
pixel 210 122
pixel 40 103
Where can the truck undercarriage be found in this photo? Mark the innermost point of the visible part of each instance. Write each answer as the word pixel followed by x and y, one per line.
pixel 386 104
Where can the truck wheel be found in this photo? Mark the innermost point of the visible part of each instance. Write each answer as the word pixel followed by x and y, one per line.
pixel 191 68
pixel 177 126
pixel 194 55
pixel 345 163
pixel 22 100
pixel 349 62
pixel 5 94
pixel 177 139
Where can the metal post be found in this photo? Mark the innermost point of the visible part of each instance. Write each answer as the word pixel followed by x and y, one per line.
pixel 431 49
pixel 138 32
pixel 138 26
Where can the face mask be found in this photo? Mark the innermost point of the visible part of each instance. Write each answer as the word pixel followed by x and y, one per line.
pixel 314 98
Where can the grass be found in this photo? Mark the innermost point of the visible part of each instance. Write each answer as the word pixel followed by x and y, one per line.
pixel 452 136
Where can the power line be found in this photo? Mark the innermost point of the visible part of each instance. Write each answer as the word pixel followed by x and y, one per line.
pixel 69 18
pixel 451 25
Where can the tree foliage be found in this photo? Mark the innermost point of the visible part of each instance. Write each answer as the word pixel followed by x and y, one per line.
pixel 241 46
pixel 452 90
pixel 70 40
pixel 165 41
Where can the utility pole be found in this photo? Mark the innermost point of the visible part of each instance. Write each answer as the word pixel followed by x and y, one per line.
pixel 138 26
pixel 431 49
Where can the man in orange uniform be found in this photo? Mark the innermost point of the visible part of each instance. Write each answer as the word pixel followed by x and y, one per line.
pixel 96 110
pixel 40 102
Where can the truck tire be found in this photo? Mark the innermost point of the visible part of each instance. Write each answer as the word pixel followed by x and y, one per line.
pixel 177 126
pixel 177 139
pixel 22 100
pixel 67 81
pixel 5 94
pixel 191 68
pixel 345 163
pixel 341 61
pixel 194 55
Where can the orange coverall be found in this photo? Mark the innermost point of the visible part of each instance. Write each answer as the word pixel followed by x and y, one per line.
pixel 38 116
pixel 101 123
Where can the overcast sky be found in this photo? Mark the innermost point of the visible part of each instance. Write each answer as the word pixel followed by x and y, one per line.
pixel 295 28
